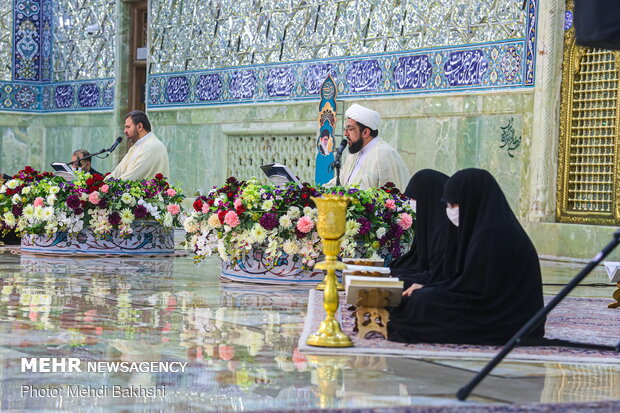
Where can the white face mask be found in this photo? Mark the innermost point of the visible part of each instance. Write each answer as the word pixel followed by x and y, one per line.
pixel 453 215
pixel 412 204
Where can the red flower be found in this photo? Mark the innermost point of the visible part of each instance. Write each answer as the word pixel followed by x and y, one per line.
pixel 210 202
pixel 198 205
pixel 28 170
pixel 230 195
pixel 159 177
pixel 90 181
pixel 240 209
pixel 221 216
pixel 97 177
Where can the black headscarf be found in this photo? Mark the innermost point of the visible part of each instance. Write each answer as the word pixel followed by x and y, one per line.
pixel 496 286
pixel 424 259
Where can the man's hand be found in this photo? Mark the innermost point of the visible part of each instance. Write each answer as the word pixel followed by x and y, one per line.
pixel 408 291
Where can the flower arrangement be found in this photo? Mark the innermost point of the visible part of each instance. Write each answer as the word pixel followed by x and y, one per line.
pixel 41 203
pixel 235 219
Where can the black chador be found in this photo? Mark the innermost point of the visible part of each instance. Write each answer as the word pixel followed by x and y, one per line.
pixel 425 258
pixel 495 287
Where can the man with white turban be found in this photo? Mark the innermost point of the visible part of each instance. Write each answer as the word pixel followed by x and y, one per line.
pixel 373 161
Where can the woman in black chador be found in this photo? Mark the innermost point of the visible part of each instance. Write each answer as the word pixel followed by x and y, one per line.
pixel 425 258
pixel 495 286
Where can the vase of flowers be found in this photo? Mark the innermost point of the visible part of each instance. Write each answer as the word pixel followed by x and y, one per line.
pixel 89 214
pixel 267 233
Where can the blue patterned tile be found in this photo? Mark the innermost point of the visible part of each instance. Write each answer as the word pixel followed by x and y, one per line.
pixel 412 72
pixel 88 95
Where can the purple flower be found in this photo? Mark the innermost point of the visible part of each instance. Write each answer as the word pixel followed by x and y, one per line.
pixel 364 225
pixel 368 207
pixel 78 211
pixel 114 218
pixel 73 201
pixel 17 210
pixel 102 204
pixel 140 211
pixel 269 221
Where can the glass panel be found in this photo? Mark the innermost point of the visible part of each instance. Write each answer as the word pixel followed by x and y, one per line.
pixel 225 33
pixel 6 40
pixel 84 33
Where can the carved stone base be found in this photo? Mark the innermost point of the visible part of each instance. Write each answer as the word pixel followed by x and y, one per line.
pixel 148 238
pixel 371 320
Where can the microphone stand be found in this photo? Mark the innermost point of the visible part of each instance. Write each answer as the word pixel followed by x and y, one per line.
pixel 336 166
pixel 464 391
pixel 106 151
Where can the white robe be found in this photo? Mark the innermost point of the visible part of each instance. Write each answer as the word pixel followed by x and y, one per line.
pixel 146 158
pixel 382 164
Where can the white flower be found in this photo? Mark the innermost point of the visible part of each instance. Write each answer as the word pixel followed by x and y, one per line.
pixel 48 213
pixel 54 190
pixel 12 184
pixel 51 198
pixel 128 199
pixel 381 232
pixel 38 213
pixel 9 219
pixel 352 228
pixel 26 190
pixel 290 247
pixel 16 199
pixel 267 205
pixel 28 211
pixel 127 216
pixel 190 225
pixel 293 212
pixel 285 221
pixel 258 233
pixel 167 219
pixel 308 211
pixel 83 196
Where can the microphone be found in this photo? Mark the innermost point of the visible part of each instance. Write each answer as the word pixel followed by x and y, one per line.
pixel 118 140
pixel 343 144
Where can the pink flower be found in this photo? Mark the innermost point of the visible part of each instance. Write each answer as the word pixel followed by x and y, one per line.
pixel 174 209
pixel 305 224
pixel 93 197
pixel 231 219
pixel 38 201
pixel 104 189
pixel 237 203
pixel 205 208
pixel 390 204
pixel 171 192
pixel 405 221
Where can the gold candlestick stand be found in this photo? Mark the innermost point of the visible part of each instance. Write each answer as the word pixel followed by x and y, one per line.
pixel 331 228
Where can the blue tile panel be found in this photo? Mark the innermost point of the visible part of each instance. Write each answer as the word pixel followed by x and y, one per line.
pixel 57 97
pixel 500 65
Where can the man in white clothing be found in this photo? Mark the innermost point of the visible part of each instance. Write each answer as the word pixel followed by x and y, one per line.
pixel 147 157
pixel 373 161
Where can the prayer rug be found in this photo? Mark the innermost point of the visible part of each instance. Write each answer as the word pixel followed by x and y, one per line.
pixel 585 320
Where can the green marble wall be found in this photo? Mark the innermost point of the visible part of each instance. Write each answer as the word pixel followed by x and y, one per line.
pixel 37 140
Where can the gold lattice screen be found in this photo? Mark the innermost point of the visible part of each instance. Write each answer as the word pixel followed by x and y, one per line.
pixel 587 184
pixel 247 153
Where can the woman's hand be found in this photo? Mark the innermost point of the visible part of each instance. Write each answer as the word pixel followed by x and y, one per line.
pixel 408 291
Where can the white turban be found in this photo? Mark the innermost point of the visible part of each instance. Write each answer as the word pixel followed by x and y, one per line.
pixel 363 115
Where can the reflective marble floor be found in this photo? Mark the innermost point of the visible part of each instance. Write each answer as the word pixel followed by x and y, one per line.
pixel 239 342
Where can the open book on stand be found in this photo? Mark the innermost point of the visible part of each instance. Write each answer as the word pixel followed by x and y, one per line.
pixel 63 170
pixel 280 174
pixel 373 291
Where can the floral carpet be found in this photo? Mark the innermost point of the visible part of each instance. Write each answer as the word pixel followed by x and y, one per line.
pixel 585 320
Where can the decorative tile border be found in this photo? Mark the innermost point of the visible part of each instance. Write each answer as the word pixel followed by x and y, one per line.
pixel 57 97
pixel 487 66
pixel 26 40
